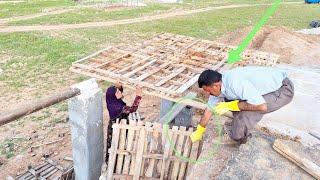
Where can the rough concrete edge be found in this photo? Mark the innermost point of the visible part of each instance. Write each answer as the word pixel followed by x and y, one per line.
pixel 87 88
pixel 284 130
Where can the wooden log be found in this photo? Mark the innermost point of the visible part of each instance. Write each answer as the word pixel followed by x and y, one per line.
pixel 113 151
pixel 304 163
pixel 179 150
pixel 28 108
pixel 122 141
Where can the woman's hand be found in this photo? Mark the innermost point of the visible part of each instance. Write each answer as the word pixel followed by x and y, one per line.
pixel 138 91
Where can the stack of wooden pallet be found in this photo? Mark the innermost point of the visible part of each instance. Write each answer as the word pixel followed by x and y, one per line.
pixel 166 65
pixel 145 150
pixel 47 170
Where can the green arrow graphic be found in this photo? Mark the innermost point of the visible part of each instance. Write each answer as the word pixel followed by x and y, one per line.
pixel 234 55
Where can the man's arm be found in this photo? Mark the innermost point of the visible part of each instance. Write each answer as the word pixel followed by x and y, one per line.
pixel 205 118
pixel 244 106
pixel 201 128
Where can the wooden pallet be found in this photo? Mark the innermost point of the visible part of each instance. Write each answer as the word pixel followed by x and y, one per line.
pixel 166 65
pixel 47 170
pixel 143 151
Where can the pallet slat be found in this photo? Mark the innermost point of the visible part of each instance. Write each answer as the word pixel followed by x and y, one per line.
pixel 122 142
pixel 176 165
pixel 129 146
pixel 113 151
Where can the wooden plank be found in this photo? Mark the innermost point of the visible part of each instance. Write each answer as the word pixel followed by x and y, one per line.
pixel 24 176
pixel 43 173
pixel 153 71
pixel 91 55
pixel 145 161
pixel 138 162
pixel 50 173
pixel 186 153
pixel 304 163
pixel 113 60
pixel 170 76
pixel 160 157
pixel 122 143
pixel 135 146
pixel 160 148
pixel 172 145
pixel 113 151
pixel 128 158
pixel 194 151
pixel 179 150
pixel 165 161
pixel 187 85
pixel 153 149
pixel 139 68
pixel 193 43
pixel 189 102
pixel 133 65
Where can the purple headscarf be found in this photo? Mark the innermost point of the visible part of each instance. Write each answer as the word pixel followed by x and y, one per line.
pixel 114 105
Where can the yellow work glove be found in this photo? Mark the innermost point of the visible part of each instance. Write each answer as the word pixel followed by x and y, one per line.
pixel 197 135
pixel 224 107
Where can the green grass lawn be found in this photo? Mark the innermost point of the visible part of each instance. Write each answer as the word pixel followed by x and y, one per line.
pixel 95 14
pixel 31 7
pixel 42 59
pixel 82 14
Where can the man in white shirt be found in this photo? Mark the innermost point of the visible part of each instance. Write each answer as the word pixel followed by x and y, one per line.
pixel 249 92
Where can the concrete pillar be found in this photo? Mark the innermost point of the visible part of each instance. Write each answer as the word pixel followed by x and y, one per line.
pixel 86 120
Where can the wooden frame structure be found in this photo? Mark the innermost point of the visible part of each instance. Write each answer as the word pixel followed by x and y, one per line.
pixel 165 65
pixel 144 151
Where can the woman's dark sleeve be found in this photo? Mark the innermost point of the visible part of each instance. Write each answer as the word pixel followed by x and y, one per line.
pixel 134 107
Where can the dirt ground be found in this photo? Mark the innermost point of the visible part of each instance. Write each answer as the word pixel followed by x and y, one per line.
pixel 258 160
pixel 293 47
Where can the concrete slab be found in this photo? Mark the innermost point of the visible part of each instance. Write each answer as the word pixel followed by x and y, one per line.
pixel 302 115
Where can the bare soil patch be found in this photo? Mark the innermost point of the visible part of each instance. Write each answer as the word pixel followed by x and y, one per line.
pixel 293 47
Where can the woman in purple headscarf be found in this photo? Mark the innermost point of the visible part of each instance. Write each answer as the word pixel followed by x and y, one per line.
pixel 117 108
